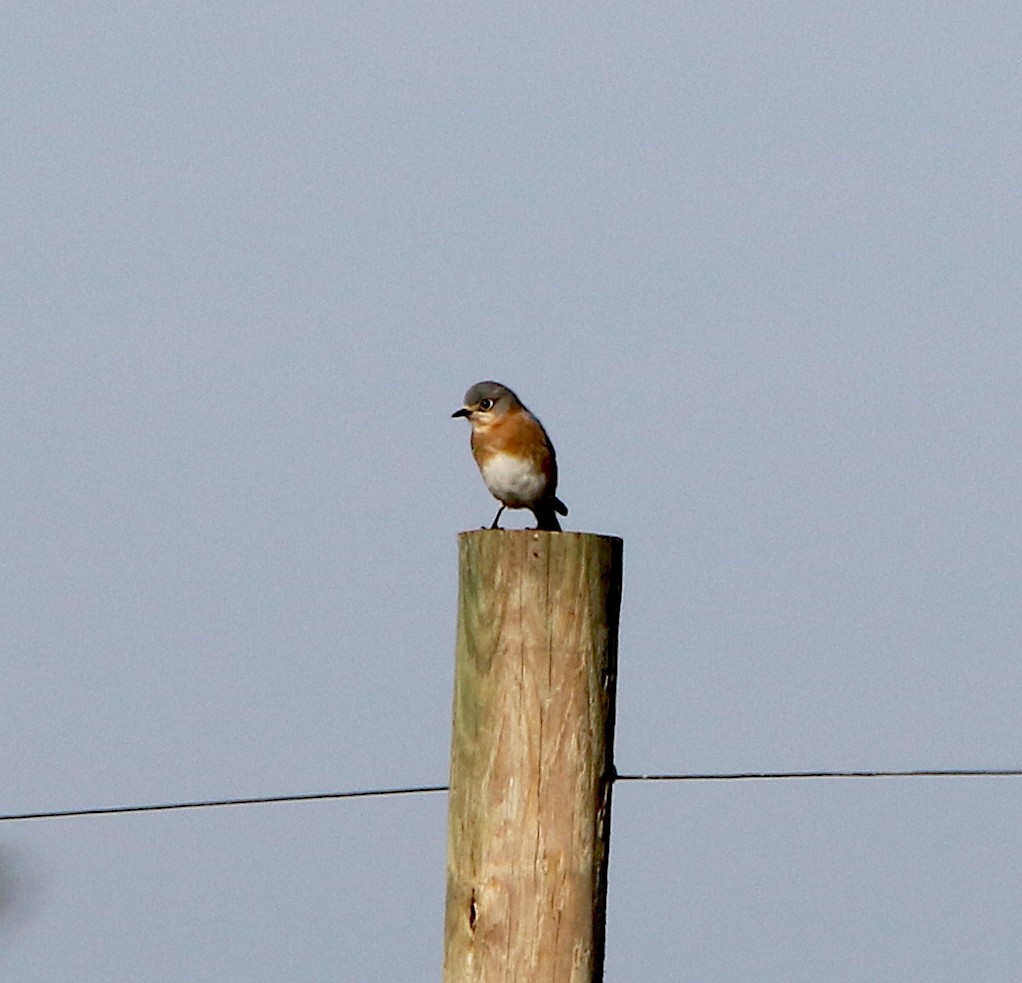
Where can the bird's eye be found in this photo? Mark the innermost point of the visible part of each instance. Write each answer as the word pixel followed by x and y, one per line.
pixel 486 404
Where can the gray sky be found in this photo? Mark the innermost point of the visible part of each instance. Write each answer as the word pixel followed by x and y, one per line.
pixel 757 267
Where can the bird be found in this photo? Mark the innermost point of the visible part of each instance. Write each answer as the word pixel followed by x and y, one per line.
pixel 514 453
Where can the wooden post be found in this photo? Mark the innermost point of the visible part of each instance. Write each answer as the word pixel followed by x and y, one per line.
pixel 531 756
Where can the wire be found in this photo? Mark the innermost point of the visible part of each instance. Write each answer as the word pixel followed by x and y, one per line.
pixel 369 793
pixel 378 793
pixel 743 776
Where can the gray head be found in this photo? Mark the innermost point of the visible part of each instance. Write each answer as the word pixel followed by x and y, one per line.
pixel 487 400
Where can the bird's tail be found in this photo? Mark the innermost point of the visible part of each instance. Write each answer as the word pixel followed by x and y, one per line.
pixel 546 514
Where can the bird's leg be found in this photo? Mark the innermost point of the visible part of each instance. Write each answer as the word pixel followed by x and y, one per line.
pixel 497 519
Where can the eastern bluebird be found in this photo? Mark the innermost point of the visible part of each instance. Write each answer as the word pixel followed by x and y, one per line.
pixel 514 454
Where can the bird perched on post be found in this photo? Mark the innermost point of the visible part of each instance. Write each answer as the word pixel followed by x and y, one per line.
pixel 514 454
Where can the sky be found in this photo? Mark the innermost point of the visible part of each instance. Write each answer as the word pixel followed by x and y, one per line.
pixel 757 268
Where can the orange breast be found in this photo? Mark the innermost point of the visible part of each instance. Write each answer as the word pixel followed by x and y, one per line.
pixel 519 434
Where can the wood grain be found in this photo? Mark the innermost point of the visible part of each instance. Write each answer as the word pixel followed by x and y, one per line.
pixel 531 756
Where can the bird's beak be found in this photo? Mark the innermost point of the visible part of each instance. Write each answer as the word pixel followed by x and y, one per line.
pixel 464 411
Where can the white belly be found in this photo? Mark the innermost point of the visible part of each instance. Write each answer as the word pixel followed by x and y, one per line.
pixel 513 481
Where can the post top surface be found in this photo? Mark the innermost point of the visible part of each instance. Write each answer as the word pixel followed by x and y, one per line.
pixel 536 534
